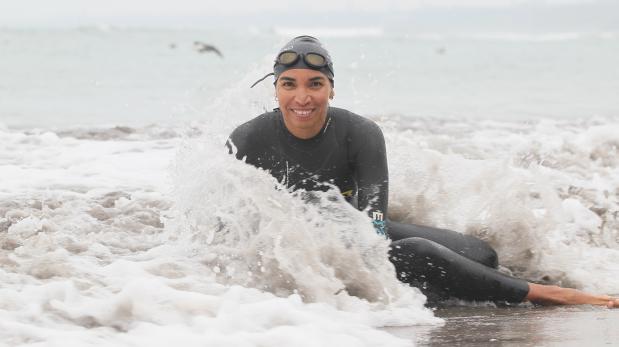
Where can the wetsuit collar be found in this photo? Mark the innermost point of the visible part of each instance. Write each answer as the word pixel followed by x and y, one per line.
pixel 317 137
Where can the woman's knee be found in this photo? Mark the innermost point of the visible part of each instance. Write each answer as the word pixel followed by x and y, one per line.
pixel 420 248
pixel 491 258
pixel 483 253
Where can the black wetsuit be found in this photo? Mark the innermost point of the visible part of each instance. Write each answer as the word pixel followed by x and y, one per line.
pixel 349 152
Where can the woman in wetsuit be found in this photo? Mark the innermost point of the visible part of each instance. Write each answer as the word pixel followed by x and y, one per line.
pixel 305 144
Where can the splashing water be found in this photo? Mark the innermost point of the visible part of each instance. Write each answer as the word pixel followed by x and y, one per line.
pixel 544 194
pixel 256 235
pixel 86 264
pixel 102 248
pixel 91 254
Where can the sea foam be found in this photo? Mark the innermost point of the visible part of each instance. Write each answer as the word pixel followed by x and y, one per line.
pixel 544 194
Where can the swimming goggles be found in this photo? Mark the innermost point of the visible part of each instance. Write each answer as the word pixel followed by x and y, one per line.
pixel 289 58
pixel 314 60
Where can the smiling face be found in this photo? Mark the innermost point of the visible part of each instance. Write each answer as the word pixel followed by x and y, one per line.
pixel 303 96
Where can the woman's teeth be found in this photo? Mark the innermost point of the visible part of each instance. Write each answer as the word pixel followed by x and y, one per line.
pixel 302 113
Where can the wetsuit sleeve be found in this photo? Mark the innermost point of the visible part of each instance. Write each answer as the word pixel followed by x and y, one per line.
pixel 247 141
pixel 237 143
pixel 372 175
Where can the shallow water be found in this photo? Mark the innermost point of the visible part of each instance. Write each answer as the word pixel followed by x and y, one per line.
pixel 519 326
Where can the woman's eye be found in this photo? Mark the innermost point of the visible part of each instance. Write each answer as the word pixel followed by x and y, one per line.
pixel 316 84
pixel 287 84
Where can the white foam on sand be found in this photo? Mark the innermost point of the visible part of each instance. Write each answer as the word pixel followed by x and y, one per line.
pixel 43 160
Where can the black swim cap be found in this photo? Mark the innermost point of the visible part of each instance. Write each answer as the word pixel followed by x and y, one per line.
pixel 304 45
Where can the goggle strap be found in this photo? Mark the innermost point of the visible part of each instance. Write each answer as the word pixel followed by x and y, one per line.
pixel 262 79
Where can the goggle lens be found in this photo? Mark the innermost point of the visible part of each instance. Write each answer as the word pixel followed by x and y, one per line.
pixel 312 59
pixel 316 60
pixel 287 58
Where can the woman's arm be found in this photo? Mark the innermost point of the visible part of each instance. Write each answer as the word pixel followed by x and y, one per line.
pixel 371 173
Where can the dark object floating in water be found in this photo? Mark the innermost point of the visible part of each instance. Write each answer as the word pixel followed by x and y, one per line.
pixel 202 47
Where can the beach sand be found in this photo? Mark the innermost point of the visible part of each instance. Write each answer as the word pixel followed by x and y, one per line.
pixel 518 326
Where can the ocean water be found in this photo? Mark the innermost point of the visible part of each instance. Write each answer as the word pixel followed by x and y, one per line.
pixel 94 76
pixel 124 222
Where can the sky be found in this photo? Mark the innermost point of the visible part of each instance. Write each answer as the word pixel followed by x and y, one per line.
pixel 190 12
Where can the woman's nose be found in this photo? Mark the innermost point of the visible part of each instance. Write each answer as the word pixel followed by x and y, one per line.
pixel 302 97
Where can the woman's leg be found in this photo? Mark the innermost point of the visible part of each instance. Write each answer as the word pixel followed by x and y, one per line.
pixel 443 264
pixel 465 245
pixel 442 273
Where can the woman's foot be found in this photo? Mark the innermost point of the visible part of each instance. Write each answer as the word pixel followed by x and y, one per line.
pixel 554 295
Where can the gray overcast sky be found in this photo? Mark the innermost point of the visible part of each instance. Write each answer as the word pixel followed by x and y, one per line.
pixel 127 12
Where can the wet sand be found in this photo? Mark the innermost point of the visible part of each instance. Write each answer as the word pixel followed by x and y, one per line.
pixel 518 326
